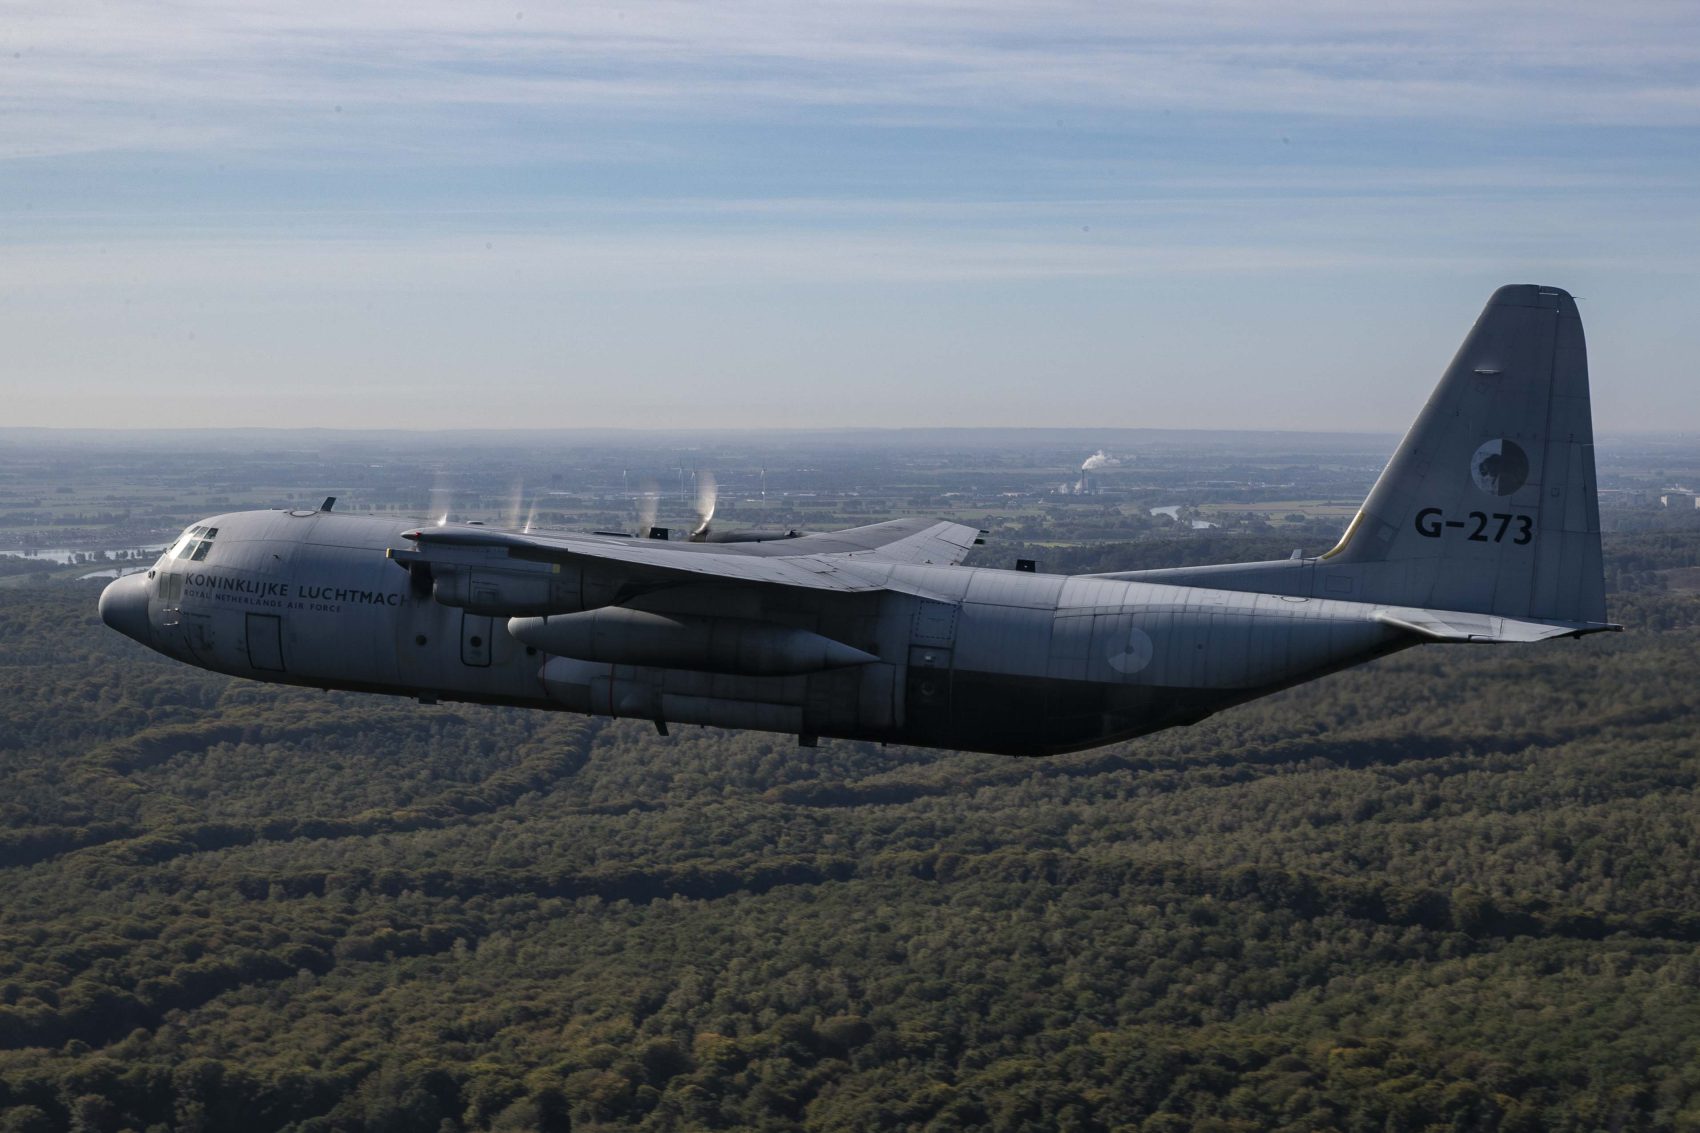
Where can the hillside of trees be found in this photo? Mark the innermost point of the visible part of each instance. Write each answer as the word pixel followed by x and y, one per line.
pixel 1457 889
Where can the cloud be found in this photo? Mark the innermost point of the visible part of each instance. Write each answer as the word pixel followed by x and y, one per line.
pixel 1240 226
pixel 269 76
pixel 623 261
pixel 308 186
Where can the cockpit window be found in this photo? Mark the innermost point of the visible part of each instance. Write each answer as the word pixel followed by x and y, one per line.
pixel 193 544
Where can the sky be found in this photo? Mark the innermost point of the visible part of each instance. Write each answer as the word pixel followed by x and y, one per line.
pixel 1221 214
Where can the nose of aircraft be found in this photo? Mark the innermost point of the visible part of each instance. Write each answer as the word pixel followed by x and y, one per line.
pixel 124 607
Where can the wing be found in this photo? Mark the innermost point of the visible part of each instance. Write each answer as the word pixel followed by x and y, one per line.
pixel 914 540
pixel 856 560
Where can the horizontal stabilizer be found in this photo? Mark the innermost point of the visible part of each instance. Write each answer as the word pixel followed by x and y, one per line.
pixel 1455 625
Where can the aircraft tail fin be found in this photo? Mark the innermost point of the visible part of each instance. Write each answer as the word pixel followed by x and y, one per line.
pixel 1490 505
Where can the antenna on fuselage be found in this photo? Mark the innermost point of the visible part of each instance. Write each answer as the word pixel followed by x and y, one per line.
pixel 330 502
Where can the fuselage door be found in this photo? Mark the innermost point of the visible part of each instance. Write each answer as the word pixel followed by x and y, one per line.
pixel 475 640
pixel 265 642
pixel 932 638
pixel 198 635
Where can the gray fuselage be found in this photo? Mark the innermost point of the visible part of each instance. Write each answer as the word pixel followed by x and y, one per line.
pixel 975 659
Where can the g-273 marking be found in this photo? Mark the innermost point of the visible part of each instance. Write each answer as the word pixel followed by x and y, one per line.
pixel 1431 520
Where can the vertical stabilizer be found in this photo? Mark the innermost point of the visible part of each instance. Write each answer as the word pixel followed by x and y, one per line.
pixel 1490 504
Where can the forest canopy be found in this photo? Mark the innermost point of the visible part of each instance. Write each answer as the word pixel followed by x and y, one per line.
pixel 1457 888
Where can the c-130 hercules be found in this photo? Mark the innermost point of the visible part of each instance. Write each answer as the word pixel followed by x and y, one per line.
pixel 1484 527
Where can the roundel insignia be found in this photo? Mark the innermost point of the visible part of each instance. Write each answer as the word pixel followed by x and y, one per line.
pixel 1499 467
pixel 1136 656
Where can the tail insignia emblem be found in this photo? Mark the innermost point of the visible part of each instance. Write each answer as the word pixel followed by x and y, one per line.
pixel 1500 467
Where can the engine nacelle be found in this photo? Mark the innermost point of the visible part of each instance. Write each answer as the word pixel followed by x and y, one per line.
pixel 739 646
pixel 508 593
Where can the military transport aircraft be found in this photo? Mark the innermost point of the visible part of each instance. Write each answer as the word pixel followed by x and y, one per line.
pixel 1484 527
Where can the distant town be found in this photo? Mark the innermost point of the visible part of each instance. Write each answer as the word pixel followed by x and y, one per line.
pixel 98 501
